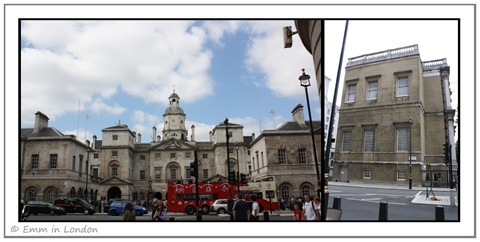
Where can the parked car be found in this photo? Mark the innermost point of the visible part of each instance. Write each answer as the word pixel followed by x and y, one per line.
pixel 36 207
pixel 107 206
pixel 117 207
pixel 220 206
pixel 75 205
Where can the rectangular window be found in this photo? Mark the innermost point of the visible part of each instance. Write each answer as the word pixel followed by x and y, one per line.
pixel 114 153
pixel 401 175
pixel 95 155
pixel 263 160
pixel 158 156
pixel 95 172
pixel 53 161
pixel 369 140
pixel 351 90
pixel 80 165
pixel 230 150
pixel 35 158
pixel 73 163
pixel 205 156
pixel 402 86
pixel 188 154
pixel 282 157
pixel 402 139
pixel 372 92
pixel 173 174
pixel 142 175
pixel 347 141
pixel 114 137
pixel 367 174
pixel 187 172
pixel 302 156
pixel 158 174
pixel 142 157
pixel 205 173
pixel 173 155
pixel 114 171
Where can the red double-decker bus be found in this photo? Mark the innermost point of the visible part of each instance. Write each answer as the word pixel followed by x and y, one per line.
pixel 182 197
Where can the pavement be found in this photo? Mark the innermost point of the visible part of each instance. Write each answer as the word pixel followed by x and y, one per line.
pixel 431 199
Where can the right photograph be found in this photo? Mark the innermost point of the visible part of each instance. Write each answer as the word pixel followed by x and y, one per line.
pixel 392 105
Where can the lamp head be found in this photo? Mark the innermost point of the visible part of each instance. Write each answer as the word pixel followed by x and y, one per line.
pixel 304 79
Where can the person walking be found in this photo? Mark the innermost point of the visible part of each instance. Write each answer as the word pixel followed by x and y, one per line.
pixel 309 209
pixel 240 210
pixel 255 209
pixel 160 213
pixel 317 206
pixel 297 212
pixel 128 213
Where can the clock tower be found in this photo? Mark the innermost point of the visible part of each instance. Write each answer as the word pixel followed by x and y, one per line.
pixel 174 120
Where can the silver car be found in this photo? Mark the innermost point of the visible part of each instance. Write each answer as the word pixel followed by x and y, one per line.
pixel 220 206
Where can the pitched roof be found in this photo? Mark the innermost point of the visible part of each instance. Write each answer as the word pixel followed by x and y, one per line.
pixel 45 132
pixel 294 126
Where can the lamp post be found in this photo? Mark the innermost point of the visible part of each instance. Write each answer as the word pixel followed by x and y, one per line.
pixel 230 199
pixel 410 122
pixel 238 170
pixel 86 176
pixel 150 191
pixel 321 181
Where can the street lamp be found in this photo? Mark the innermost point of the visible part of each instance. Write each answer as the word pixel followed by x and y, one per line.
pixel 150 191
pixel 238 170
pixel 230 199
pixel 410 122
pixel 321 181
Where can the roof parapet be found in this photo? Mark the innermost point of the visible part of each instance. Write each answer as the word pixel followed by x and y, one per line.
pixel 383 55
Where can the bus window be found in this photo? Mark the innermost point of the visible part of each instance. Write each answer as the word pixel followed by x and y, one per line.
pixel 189 197
pixel 178 197
pixel 270 194
pixel 204 197
pixel 259 195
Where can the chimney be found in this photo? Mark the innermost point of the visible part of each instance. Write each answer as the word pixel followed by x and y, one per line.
pixel 139 138
pixel 41 121
pixel 253 136
pixel 88 142
pixel 154 133
pixel 211 135
pixel 193 133
pixel 158 138
pixel 298 115
pixel 94 141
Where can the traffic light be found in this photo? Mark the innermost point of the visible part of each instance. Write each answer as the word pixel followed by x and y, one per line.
pixel 446 153
pixel 243 178
pixel 231 177
pixel 193 169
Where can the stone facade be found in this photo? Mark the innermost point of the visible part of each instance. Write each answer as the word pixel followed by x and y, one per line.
pixel 387 96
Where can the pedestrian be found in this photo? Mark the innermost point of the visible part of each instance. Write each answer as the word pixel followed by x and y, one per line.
pixel 318 207
pixel 297 213
pixel 154 207
pixel 309 209
pixel 128 213
pixel 240 210
pixel 255 209
pixel 160 213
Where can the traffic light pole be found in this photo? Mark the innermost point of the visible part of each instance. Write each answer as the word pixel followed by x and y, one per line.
pixel 230 199
pixel 197 200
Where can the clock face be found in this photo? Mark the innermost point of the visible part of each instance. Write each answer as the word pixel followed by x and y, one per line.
pixel 174 121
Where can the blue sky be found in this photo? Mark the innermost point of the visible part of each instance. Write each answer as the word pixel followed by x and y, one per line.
pixel 125 71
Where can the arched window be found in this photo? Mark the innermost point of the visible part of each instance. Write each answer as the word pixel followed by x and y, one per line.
pixel 285 193
pixel 306 190
pixel 32 195
pixel 50 194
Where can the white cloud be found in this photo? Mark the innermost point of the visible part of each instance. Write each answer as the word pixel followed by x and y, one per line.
pixel 98 106
pixel 281 67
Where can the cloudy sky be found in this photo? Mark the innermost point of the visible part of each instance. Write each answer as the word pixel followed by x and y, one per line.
pixel 113 71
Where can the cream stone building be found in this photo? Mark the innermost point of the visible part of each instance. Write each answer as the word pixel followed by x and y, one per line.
pixel 121 165
pixel 387 96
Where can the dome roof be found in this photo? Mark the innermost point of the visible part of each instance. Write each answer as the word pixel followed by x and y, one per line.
pixel 174 110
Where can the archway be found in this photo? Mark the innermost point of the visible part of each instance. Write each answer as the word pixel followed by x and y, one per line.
pixel 114 192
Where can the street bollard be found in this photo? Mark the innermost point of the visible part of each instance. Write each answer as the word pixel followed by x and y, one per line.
pixel 337 203
pixel 266 216
pixel 383 214
pixel 439 213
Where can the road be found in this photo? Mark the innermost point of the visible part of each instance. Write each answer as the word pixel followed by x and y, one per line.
pixel 357 204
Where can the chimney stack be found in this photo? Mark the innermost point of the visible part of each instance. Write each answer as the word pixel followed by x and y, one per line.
pixel 139 138
pixel 298 115
pixel 211 135
pixel 94 141
pixel 253 136
pixel 154 133
pixel 41 121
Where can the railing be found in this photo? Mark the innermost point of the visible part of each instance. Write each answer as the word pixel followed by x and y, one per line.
pixel 383 55
pixel 434 64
